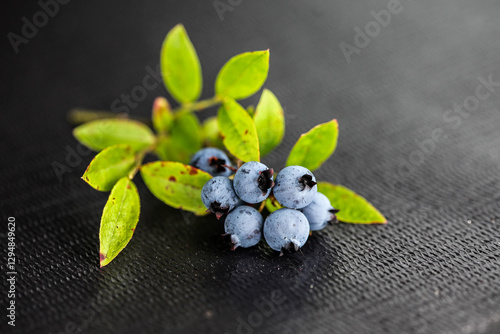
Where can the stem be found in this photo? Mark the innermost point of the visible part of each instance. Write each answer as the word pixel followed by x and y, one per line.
pixel 79 116
pixel 230 168
pixel 200 105
pixel 139 158
pixel 262 205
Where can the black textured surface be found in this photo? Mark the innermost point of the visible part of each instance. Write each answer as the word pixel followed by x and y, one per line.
pixel 433 269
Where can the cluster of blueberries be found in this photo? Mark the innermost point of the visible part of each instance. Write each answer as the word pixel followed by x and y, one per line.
pixel 305 209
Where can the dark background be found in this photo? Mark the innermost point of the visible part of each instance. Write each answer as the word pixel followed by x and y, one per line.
pixel 434 268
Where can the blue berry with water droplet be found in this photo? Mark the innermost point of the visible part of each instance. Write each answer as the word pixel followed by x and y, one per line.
pixel 244 225
pixel 218 196
pixel 253 182
pixel 320 212
pixel 295 187
pixel 213 161
pixel 286 229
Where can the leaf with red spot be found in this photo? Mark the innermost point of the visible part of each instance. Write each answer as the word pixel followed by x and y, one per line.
pixel 176 184
pixel 119 219
pixel 110 165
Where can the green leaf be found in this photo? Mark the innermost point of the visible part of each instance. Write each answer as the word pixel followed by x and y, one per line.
pixel 119 219
pixel 163 117
pixel 251 110
pixel 180 66
pixel 243 75
pixel 272 204
pixel 100 134
pixel 110 165
pixel 269 122
pixel 176 184
pixel 315 147
pixel 211 133
pixel 184 139
pixel 238 131
pixel 353 207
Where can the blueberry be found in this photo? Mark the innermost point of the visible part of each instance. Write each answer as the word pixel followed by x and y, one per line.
pixel 295 187
pixel 253 182
pixel 213 161
pixel 286 229
pixel 320 212
pixel 218 196
pixel 244 225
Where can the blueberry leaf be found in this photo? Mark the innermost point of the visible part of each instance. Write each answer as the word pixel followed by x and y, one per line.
pixel 184 139
pixel 211 133
pixel 353 207
pixel 180 66
pixel 243 75
pixel 110 165
pixel 238 131
pixel 162 117
pixel 119 219
pixel 176 184
pixel 315 147
pixel 100 134
pixel 269 122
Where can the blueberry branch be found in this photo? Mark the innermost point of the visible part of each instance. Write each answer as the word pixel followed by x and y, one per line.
pixel 80 116
pixel 139 158
pixel 200 105
pixel 262 206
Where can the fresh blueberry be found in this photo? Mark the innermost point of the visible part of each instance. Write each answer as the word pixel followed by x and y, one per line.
pixel 286 229
pixel 218 196
pixel 320 212
pixel 213 161
pixel 244 225
pixel 253 182
pixel 295 187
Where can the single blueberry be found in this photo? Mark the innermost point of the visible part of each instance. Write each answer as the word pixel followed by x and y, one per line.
pixel 213 161
pixel 218 196
pixel 244 225
pixel 253 182
pixel 295 187
pixel 286 229
pixel 320 212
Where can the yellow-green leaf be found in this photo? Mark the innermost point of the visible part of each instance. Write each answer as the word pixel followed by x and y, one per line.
pixel 162 115
pixel 184 139
pixel 180 66
pixel 238 131
pixel 353 207
pixel 176 184
pixel 110 165
pixel 119 219
pixel 269 122
pixel 272 204
pixel 315 147
pixel 243 75
pixel 100 134
pixel 211 133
